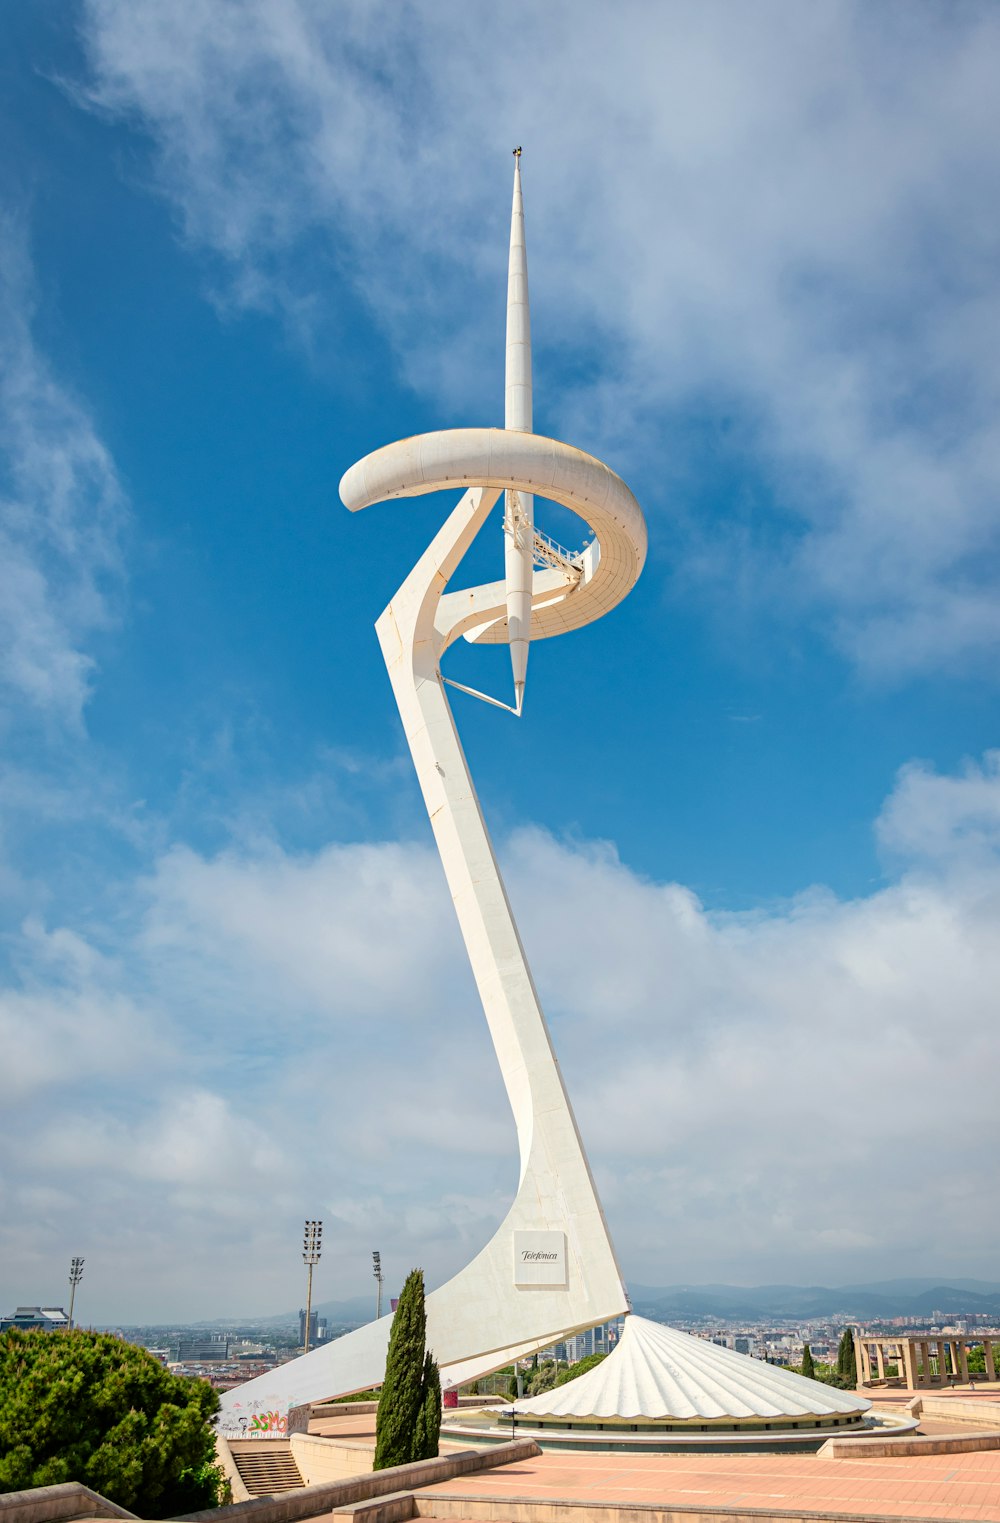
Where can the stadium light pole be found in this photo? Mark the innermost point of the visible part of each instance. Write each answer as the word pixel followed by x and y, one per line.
pixel 75 1276
pixel 312 1247
pixel 377 1272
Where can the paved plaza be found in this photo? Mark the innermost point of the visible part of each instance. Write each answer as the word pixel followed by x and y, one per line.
pixel 947 1486
pixel 957 1486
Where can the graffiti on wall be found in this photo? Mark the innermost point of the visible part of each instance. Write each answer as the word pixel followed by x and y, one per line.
pixel 266 1422
pixel 256 1421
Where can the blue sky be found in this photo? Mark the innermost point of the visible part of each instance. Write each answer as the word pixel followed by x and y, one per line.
pixel 751 820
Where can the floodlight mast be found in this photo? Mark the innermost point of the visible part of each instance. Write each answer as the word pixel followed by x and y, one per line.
pixel 312 1248
pixel 75 1276
pixel 377 1272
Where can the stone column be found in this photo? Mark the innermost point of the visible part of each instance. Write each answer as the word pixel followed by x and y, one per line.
pixel 963 1361
pixel 880 1360
pixel 909 1363
pixel 925 1360
pixel 991 1369
pixel 864 1363
pixel 943 1361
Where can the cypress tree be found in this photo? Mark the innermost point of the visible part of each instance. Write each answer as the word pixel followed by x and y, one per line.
pixel 403 1388
pixel 808 1369
pixel 850 1371
pixel 425 1439
pixel 845 1356
pixel 842 1355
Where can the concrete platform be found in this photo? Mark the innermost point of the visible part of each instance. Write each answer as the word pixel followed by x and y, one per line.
pixel 953 1486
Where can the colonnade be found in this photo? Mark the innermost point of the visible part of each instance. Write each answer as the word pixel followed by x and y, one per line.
pixel 922 1360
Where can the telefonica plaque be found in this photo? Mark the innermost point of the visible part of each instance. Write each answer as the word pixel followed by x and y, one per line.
pixel 540 1258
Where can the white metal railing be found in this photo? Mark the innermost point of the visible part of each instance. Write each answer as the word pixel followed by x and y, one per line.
pixel 548 552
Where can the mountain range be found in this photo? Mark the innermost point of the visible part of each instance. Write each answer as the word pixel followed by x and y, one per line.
pixel 882 1298
pixel 912 1297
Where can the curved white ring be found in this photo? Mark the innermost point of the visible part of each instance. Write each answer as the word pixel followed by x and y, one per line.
pixel 497 457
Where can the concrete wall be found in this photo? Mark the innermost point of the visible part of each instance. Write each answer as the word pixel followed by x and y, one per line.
pixel 366 1408
pixel 311 1501
pixel 517 1510
pixel 340 1408
pixel 953 1409
pixel 224 1458
pixel 912 1444
pixel 329 1459
pixel 52 1504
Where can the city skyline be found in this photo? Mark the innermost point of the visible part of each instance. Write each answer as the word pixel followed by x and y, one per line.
pixel 762 272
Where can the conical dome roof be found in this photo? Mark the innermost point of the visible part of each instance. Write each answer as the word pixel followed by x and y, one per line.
pixel 658 1373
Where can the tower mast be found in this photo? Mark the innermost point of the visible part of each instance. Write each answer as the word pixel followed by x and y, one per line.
pixel 519 511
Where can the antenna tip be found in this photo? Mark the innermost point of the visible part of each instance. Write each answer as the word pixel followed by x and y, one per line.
pixel 517 153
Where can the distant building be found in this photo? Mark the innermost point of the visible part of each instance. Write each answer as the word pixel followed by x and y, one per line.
pixel 319 1329
pixel 202 1350
pixel 594 1340
pixel 51 1318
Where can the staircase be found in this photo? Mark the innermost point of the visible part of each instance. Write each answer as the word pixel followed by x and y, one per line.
pixel 266 1466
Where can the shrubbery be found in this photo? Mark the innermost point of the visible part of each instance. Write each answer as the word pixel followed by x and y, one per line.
pixel 79 1406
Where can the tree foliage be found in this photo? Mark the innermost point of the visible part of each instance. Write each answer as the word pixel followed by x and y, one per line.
pixel 425 1442
pixel 847 1360
pixel 541 1377
pixel 807 1367
pixel 408 1421
pixel 588 1362
pixel 81 1406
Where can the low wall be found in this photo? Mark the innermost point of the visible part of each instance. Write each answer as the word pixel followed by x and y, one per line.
pixel 955 1409
pixel 342 1408
pixel 329 1459
pixel 397 1507
pixel 476 1509
pixel 309 1501
pixel 52 1504
pixel 912 1444
pixel 366 1408
pixel 227 1464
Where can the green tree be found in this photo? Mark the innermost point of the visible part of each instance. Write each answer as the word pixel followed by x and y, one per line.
pixel 847 1359
pixel 588 1362
pixel 542 1378
pixel 425 1443
pixel 408 1421
pixel 807 1367
pixel 81 1406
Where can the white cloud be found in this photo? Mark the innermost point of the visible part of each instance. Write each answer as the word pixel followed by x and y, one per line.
pixel 788 1094
pixel 69 1036
pixel 945 820
pixel 350 931
pixel 61 512
pixel 774 219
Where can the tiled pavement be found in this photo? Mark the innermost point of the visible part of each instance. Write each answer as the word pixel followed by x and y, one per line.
pixel 963 1487
pixel 955 1486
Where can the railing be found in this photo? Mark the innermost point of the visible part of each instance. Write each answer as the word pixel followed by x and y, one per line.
pixel 548 552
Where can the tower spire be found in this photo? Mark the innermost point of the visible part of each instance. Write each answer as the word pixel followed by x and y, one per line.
pixel 519 506
pixel 517 409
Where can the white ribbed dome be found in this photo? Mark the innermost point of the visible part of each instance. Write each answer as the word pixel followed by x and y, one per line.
pixel 658 1373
